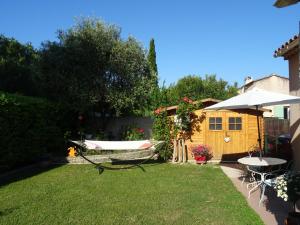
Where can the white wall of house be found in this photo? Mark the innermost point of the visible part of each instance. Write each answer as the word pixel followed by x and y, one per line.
pixel 273 83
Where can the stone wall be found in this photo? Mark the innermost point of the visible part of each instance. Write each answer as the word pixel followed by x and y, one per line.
pixel 133 155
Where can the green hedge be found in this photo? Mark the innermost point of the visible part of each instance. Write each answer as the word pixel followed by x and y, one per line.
pixel 29 128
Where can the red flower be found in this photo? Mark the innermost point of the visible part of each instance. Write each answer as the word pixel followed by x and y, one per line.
pixel 140 130
pixel 187 100
pixel 157 111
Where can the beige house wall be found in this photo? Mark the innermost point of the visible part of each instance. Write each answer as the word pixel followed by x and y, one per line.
pixel 295 109
pixel 272 83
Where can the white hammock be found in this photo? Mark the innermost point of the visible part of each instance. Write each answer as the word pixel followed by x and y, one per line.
pixel 116 145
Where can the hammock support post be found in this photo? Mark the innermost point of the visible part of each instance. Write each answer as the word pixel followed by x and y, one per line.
pixel 175 144
pixel 183 151
pixel 179 151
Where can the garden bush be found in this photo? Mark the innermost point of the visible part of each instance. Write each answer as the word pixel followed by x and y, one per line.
pixel 30 128
pixel 162 128
pixel 132 133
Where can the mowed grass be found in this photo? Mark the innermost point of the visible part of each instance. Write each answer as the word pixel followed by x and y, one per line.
pixel 163 194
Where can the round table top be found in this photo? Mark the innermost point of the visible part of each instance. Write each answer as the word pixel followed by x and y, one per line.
pixel 261 161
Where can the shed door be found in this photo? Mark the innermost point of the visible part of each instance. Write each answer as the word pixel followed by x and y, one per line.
pixel 215 133
pixel 235 133
pixel 225 133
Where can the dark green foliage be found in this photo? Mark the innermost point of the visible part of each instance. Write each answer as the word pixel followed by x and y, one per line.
pixel 132 133
pixel 154 88
pixel 218 89
pixel 184 114
pixel 163 97
pixel 91 68
pixel 152 56
pixel 17 67
pixel 162 131
pixel 190 86
pixel 152 60
pixel 196 88
pixel 30 127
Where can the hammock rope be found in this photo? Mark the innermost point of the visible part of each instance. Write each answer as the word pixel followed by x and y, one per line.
pixel 101 167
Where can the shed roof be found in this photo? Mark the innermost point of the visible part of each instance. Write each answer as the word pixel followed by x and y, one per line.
pixel 206 100
pixel 288 48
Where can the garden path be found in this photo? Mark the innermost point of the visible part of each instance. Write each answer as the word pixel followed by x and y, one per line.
pixel 272 211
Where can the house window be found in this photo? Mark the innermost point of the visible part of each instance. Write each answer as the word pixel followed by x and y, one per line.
pixel 215 123
pixel 235 123
pixel 286 112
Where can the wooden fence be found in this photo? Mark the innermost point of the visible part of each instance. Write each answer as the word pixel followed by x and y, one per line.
pixel 275 126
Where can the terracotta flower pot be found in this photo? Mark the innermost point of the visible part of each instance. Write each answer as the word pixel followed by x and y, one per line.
pixel 200 159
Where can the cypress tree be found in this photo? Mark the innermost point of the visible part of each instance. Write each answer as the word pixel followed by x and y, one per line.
pixel 152 62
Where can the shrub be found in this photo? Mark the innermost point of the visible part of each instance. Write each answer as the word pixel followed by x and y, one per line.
pixel 162 131
pixel 30 127
pixel 133 133
pixel 288 186
pixel 184 114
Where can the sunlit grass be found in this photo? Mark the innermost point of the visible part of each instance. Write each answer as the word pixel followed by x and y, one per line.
pixel 163 194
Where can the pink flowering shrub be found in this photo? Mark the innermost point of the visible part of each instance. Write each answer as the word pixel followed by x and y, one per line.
pixel 184 114
pixel 202 150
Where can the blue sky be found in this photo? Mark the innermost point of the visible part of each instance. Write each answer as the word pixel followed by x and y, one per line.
pixel 231 38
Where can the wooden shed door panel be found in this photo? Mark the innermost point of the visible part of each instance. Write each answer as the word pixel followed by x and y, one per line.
pixel 215 138
pixel 231 139
pixel 235 133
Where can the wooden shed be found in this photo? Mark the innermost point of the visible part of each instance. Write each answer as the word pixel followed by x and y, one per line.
pixel 229 133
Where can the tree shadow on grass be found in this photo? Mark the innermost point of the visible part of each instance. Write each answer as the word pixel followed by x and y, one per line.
pixel 7 211
pixel 26 172
pixel 151 162
pixel 118 164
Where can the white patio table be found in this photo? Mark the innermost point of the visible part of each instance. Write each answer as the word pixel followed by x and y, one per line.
pixel 260 162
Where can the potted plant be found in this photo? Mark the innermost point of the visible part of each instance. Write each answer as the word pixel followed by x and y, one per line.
pixel 288 188
pixel 201 153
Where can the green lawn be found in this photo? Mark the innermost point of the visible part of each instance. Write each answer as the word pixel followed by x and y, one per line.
pixel 163 194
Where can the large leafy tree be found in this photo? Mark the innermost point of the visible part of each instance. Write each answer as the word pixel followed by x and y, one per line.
pixel 195 87
pixel 91 67
pixel 219 89
pixel 17 66
pixel 190 86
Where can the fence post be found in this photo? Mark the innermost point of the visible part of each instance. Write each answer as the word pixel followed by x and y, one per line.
pixel 183 152
pixel 180 151
pixel 175 150
pixel 266 147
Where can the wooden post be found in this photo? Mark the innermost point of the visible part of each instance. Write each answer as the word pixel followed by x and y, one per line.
pixel 183 151
pixel 174 150
pixel 180 151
